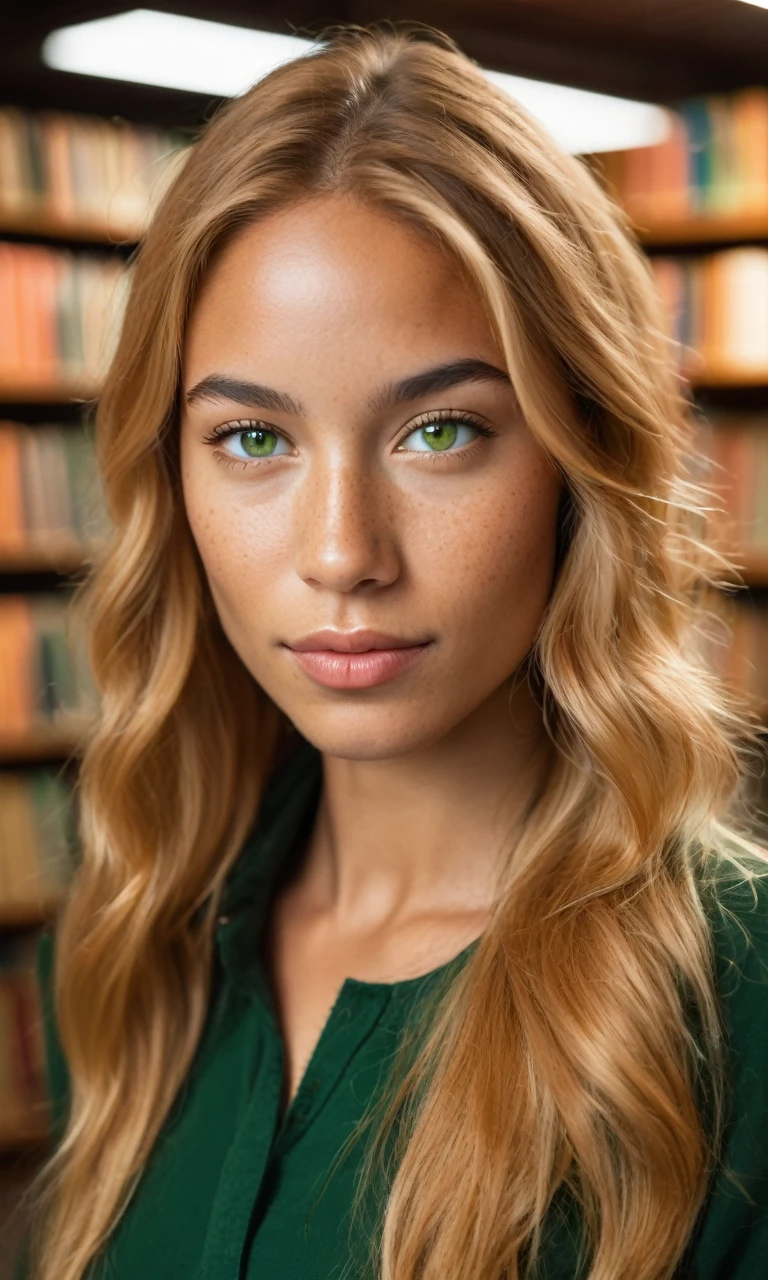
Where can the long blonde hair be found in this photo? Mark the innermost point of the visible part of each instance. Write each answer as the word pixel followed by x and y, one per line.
pixel 536 1072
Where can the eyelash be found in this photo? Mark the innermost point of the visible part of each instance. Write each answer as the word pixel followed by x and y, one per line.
pixel 462 418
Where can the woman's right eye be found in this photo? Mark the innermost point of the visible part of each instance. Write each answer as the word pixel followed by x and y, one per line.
pixel 248 442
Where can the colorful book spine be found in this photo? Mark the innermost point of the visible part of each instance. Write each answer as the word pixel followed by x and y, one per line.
pixel 44 677
pixel 717 309
pixel 50 498
pixel 713 162
pixel 736 453
pixel 37 836
pixel 59 315
pixel 734 642
pixel 24 1104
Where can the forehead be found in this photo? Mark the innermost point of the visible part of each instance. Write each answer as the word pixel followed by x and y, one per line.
pixel 334 274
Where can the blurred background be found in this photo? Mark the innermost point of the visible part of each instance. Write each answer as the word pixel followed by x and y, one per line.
pixel 666 99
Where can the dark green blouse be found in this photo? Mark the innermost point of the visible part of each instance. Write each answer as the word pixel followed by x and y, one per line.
pixel 231 1193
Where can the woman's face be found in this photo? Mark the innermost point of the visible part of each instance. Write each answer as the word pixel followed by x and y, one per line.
pixel 376 473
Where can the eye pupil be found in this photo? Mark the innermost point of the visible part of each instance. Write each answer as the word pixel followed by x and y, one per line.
pixel 253 441
pixel 441 434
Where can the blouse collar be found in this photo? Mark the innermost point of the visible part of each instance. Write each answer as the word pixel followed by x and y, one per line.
pixel 286 813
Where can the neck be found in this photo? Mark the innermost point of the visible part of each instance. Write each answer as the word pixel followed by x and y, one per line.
pixel 429 831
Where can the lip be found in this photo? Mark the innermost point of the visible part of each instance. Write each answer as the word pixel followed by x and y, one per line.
pixel 352 641
pixel 349 670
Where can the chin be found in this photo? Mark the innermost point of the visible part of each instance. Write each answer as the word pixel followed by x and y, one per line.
pixel 368 738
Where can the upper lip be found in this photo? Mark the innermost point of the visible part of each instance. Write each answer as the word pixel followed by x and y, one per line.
pixel 351 641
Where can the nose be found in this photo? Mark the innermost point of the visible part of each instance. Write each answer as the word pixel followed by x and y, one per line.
pixel 345 537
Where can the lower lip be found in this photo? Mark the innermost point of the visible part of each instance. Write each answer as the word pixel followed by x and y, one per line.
pixel 357 670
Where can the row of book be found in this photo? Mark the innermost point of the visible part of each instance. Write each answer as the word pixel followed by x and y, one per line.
pixel 44 676
pixel 714 161
pixel 735 640
pixel 76 168
pixel 37 836
pixel 717 306
pixel 734 463
pixel 23 1082
pixel 60 314
pixel 50 495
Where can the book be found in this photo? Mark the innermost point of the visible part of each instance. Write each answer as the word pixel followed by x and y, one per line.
pixel 717 309
pixel 38 841
pixel 50 494
pixel 714 162
pixel 60 314
pixel 79 169
pixel 44 677
pixel 24 1103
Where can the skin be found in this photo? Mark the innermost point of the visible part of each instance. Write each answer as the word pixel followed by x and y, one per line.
pixel 331 302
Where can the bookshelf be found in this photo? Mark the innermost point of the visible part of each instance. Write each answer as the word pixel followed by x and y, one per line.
pixel 75 192
pixel 699 206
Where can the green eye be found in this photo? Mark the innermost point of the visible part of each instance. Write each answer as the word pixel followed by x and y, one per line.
pixel 440 435
pixel 257 442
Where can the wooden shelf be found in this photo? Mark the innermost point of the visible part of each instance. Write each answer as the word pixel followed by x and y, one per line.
pixel 95 230
pixel 723 375
pixel 28 915
pixel 44 742
pixel 32 1134
pixel 44 392
pixel 720 228
pixel 755 561
pixel 54 557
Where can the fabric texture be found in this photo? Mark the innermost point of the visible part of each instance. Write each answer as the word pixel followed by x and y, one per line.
pixel 231 1192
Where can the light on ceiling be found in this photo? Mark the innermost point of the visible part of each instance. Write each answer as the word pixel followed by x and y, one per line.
pixel 583 121
pixel 758 4
pixel 148 47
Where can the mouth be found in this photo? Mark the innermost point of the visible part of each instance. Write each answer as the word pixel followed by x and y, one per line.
pixel 360 641
pixel 361 669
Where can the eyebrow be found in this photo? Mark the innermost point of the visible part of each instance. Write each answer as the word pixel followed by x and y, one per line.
pixel 220 386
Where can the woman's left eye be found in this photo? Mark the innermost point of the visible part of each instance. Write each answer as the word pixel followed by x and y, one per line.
pixel 439 435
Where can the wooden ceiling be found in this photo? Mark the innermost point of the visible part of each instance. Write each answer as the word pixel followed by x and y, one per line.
pixel 652 49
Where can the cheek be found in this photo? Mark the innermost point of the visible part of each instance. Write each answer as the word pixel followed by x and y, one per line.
pixel 243 553
pixel 240 545
pixel 494 565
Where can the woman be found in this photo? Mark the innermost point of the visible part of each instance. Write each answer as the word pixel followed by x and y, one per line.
pixel 426 946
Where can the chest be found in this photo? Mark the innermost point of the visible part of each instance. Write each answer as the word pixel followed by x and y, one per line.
pixel 309 961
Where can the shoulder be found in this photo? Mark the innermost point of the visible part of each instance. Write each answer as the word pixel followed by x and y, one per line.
pixel 735 897
pixel 731 1242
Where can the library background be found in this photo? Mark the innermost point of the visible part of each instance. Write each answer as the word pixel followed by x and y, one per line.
pixel 84 158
